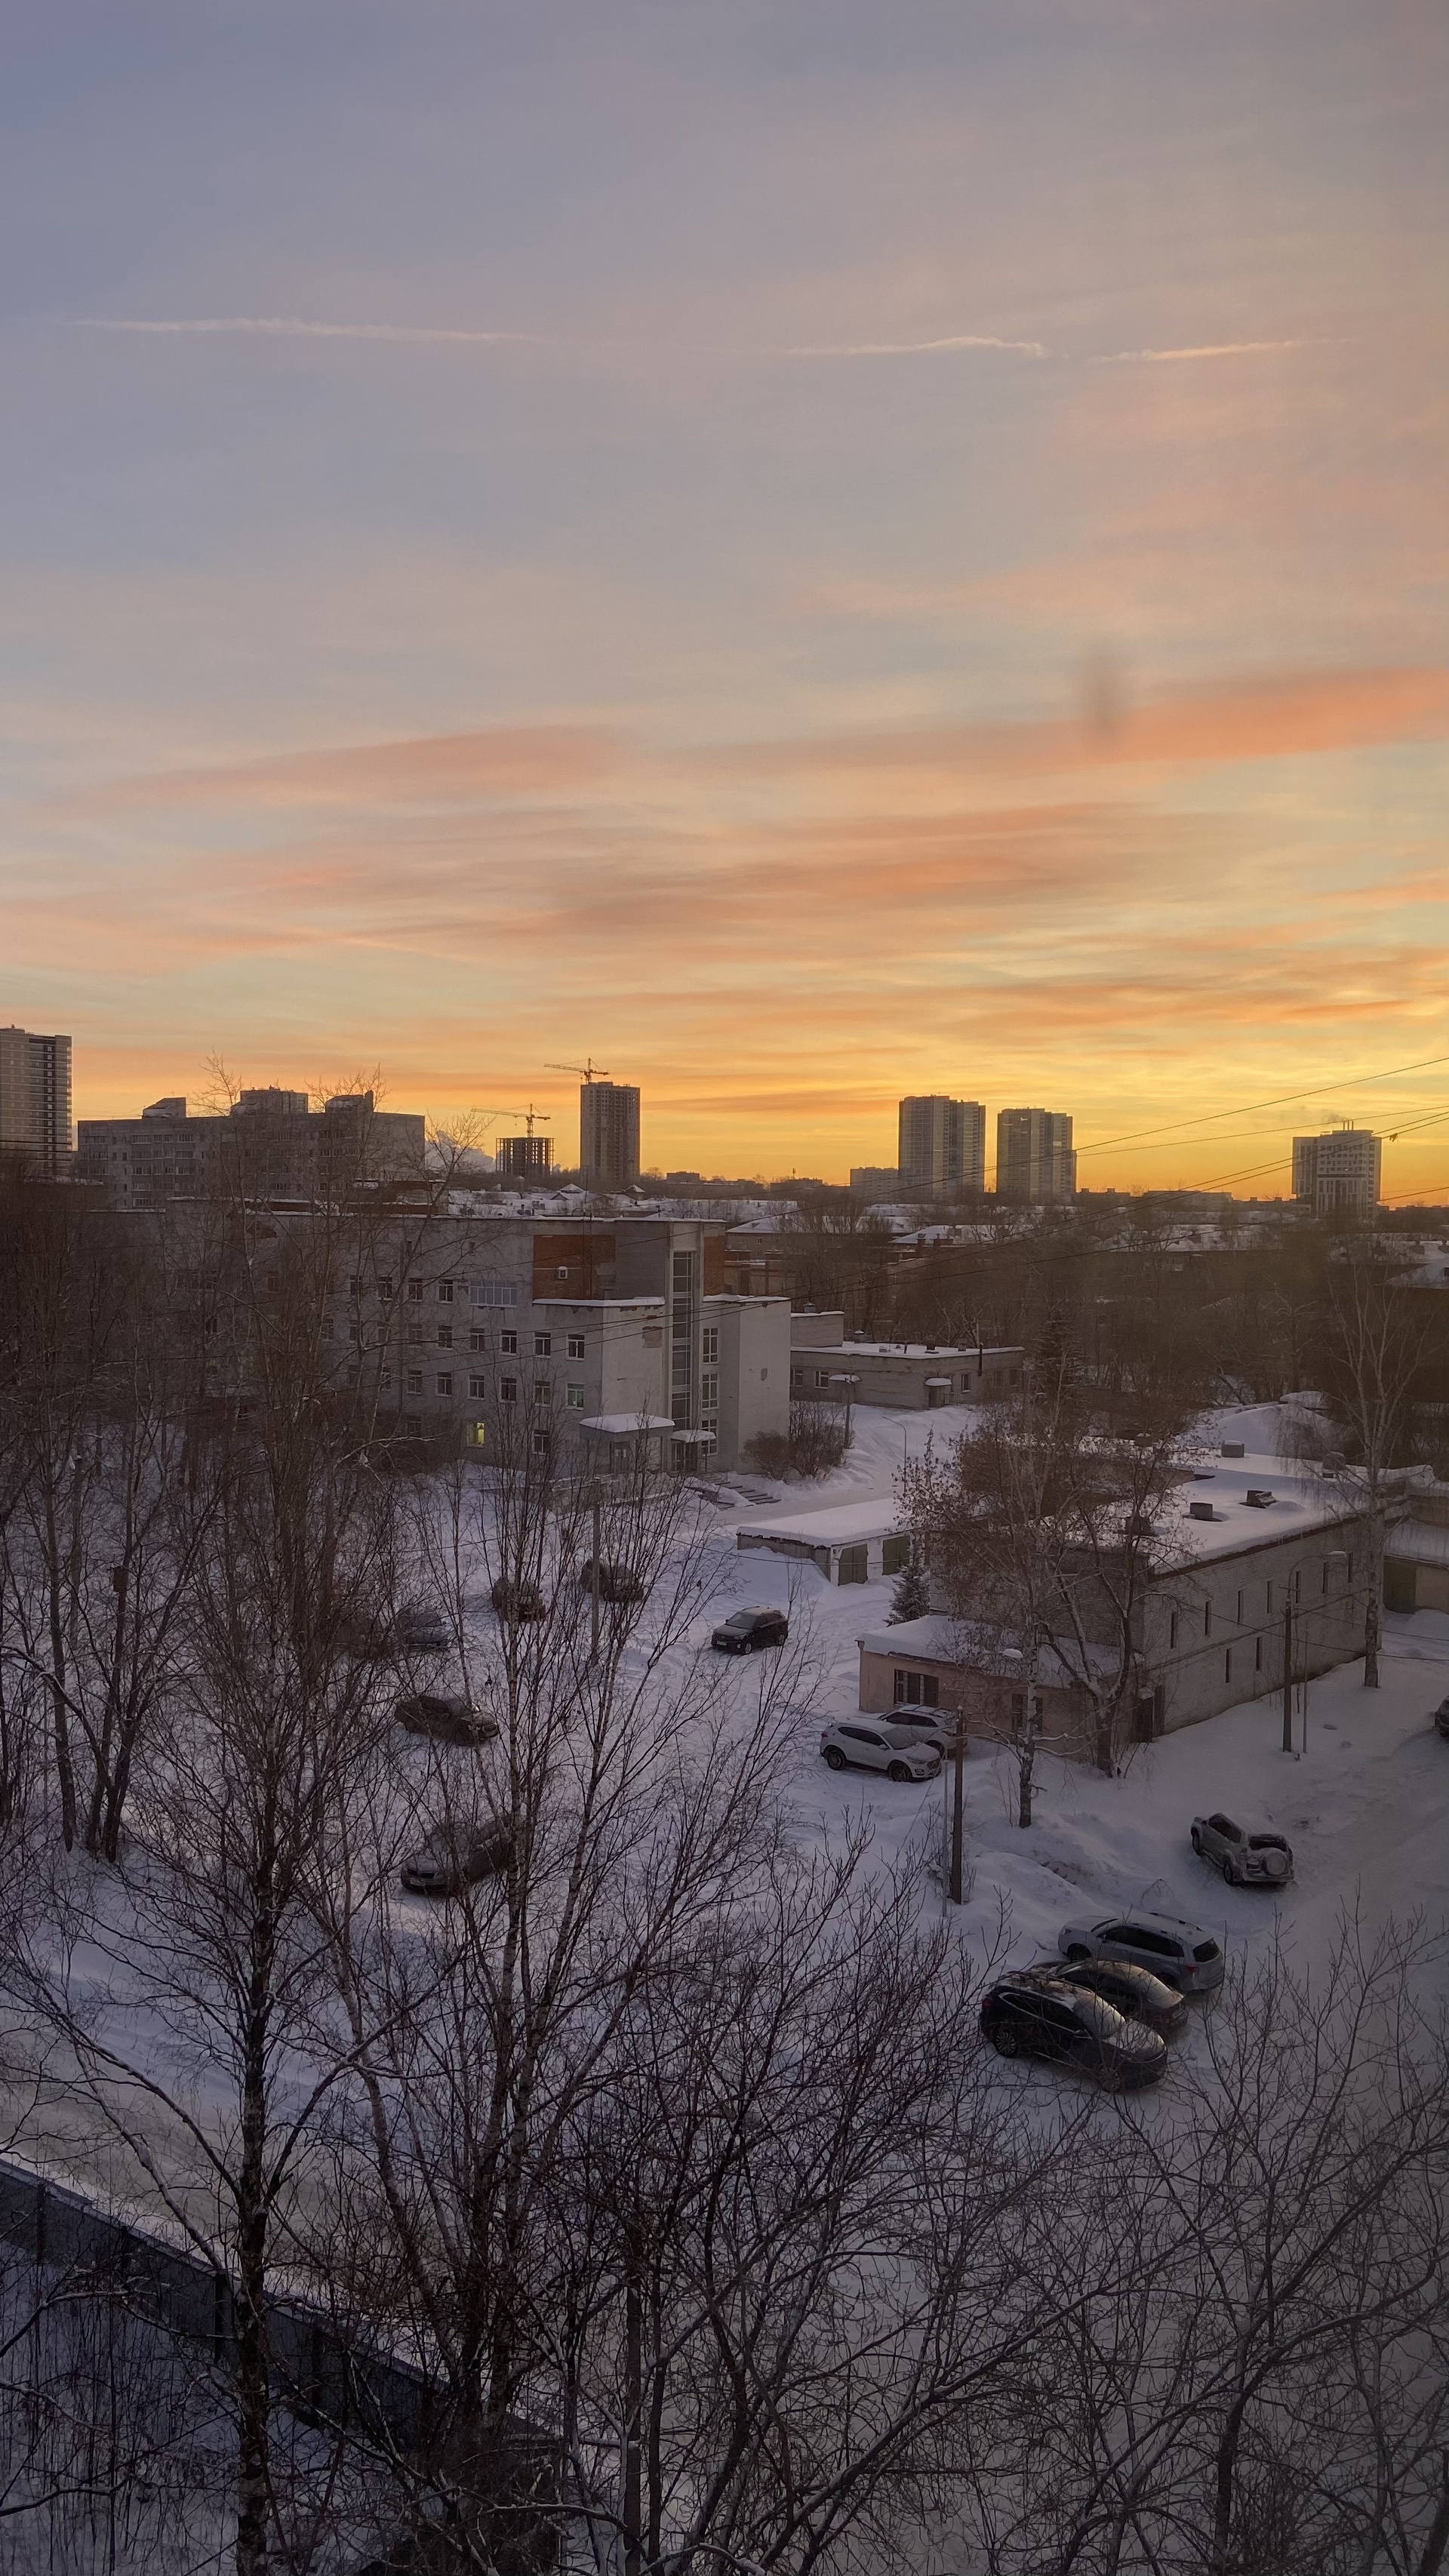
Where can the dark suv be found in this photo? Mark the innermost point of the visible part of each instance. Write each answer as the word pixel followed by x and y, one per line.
pixel 1035 2016
pixel 1133 1992
pixel 744 1630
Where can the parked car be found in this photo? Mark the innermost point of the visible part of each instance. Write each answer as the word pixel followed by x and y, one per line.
pixel 1245 1859
pixel 1133 1992
pixel 517 1600
pixel 1181 1954
pixel 445 1718
pixel 872 1745
pixel 1441 1718
pixel 1036 2016
pixel 454 1857
pixel 745 1630
pixel 420 1630
pixel 928 1725
pixel 616 1582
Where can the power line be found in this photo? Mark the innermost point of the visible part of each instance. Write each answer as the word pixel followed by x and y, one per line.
pixel 1346 1082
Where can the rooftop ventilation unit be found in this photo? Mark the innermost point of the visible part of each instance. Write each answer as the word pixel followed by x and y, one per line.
pixel 1260 1496
pixel 1201 1512
pixel 1234 1449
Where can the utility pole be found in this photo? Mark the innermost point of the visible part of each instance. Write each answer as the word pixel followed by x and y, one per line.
pixel 958 1803
pixel 1288 1674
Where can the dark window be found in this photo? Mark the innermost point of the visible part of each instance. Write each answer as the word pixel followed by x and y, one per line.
pixel 1207 1618
pixel 508 1342
pixel 576 1346
pixel 895 1553
pixel 1172 1629
pixel 477 1386
pixel 477 1341
pixel 384 1290
pixel 445 1337
pixel 542 1345
pixel 540 1443
pixel 1228 1665
pixel 445 1381
pixel 445 1292
pixel 415 1381
pixel 412 1426
pixel 508 1390
pixel 415 1291
pixel 543 1390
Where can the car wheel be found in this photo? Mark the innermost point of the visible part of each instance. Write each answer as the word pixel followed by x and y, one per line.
pixel 1078 1952
pixel 1197 1842
pixel 1230 1875
pixel 898 1771
pixel 1005 2041
pixel 835 1757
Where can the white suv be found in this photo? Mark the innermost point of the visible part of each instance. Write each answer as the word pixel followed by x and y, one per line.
pixel 871 1745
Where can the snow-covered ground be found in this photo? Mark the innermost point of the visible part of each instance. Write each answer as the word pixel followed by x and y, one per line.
pixel 1365 1804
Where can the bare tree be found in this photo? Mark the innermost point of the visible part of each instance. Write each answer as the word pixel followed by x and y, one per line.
pixel 1376 1345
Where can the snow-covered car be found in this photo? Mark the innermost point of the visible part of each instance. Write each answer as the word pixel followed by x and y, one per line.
pixel 616 1583
pixel 446 1717
pixel 1037 2016
pixel 1181 1954
pixel 1246 1859
pixel 1441 1719
pixel 454 1857
pixel 745 1630
pixel 869 1744
pixel 1133 1992
pixel 928 1725
pixel 420 1630
pixel 521 1600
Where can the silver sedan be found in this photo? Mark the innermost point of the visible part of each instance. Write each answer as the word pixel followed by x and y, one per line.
pixel 1246 1859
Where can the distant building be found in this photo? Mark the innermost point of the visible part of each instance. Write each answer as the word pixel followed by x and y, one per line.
pixel 35 1100
pixel 269 1145
pixel 1035 1163
pixel 1338 1174
pixel 608 1135
pixel 875 1181
pixel 942 1144
pixel 526 1160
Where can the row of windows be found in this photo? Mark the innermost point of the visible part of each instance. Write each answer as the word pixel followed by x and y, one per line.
pixel 543 1388
pixel 507 1342
pixel 1272 1599
pixel 481 1292
pixel 412 1424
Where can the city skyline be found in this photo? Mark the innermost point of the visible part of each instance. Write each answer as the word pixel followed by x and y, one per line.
pixel 821 557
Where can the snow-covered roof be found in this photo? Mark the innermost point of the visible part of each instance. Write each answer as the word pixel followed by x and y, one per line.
pixel 939 1639
pixel 848 1522
pixel 910 1350
pixel 1300 1503
pixel 619 1425
pixel 1418 1543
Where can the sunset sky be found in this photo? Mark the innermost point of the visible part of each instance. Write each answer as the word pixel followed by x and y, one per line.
pixel 807 549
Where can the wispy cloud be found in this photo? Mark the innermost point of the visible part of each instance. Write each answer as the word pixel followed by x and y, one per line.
pixel 1209 349
pixel 955 340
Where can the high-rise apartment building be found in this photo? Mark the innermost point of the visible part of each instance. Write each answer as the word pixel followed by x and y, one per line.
pixel 608 1135
pixel 35 1100
pixel 942 1144
pixel 1338 1174
pixel 1035 1163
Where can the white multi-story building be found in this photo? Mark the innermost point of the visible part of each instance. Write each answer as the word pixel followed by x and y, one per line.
pixel 1338 1174
pixel 942 1144
pixel 1035 1162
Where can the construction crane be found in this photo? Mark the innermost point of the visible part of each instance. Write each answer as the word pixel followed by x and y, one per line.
pixel 528 1115
pixel 591 1072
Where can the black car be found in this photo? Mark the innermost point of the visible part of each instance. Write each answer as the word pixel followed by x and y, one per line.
pixel 517 1600
pixel 1132 1991
pixel 455 1857
pixel 444 1718
pixel 1441 1718
pixel 744 1630
pixel 421 1631
pixel 616 1582
pixel 1029 2016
